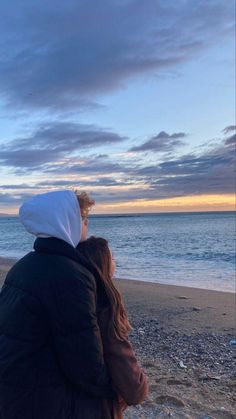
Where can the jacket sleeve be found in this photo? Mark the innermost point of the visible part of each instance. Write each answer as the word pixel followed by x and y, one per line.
pixel 128 378
pixel 76 334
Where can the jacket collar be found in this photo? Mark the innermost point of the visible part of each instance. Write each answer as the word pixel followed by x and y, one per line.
pixel 54 246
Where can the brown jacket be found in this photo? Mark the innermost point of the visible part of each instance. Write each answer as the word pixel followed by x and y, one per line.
pixel 128 378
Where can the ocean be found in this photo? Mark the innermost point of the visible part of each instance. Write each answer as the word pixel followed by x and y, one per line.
pixel 189 249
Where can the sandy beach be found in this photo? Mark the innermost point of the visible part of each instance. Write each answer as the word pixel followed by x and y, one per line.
pixel 182 338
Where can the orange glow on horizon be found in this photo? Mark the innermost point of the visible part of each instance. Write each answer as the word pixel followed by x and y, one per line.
pixel 196 203
pixel 177 204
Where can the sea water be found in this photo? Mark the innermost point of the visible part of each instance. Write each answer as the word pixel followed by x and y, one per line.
pixel 190 249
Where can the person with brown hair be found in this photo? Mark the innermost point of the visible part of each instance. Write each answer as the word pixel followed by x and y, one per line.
pixel 128 379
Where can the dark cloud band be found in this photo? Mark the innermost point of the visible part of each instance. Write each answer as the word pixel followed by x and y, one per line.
pixel 65 57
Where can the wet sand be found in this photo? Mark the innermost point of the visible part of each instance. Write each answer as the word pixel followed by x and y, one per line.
pixel 182 338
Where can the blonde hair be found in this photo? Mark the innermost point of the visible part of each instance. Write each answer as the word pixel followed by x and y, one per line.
pixel 85 202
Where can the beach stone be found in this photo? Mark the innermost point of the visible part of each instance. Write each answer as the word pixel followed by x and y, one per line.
pixel 153 387
pixel 148 403
pixel 169 400
pixel 208 377
pixel 176 382
pixel 148 364
pixel 205 352
pixel 166 413
pixel 182 297
pixel 181 364
pixel 223 414
pixel 160 379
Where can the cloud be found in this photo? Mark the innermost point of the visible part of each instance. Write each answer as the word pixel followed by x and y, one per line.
pixel 231 140
pixel 67 184
pixel 7 199
pixel 212 172
pixel 161 143
pixel 53 141
pixel 81 183
pixel 22 186
pixel 96 165
pixel 229 129
pixel 27 158
pixel 12 199
pixel 68 53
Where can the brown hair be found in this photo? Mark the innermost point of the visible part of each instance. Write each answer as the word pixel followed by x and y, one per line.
pixel 97 253
pixel 85 202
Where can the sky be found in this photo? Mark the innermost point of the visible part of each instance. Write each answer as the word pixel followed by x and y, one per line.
pixel 129 100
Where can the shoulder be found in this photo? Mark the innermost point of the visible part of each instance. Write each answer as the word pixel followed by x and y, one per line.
pixel 44 274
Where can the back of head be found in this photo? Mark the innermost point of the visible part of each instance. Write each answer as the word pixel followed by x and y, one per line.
pixel 96 251
pixel 85 202
pixel 53 214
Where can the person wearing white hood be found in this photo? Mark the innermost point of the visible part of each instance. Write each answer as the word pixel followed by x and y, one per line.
pixel 51 354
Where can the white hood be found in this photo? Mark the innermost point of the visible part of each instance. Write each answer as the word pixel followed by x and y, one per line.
pixel 53 214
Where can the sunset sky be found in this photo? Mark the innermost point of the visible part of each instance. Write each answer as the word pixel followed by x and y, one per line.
pixel 131 100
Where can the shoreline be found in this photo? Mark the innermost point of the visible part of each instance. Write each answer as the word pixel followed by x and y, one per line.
pixel 7 262
pixel 181 336
pixel 174 285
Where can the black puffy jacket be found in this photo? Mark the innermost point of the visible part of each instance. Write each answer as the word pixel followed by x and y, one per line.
pixel 51 356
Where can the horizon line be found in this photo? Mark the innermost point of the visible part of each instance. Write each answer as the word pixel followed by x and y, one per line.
pixel 138 213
